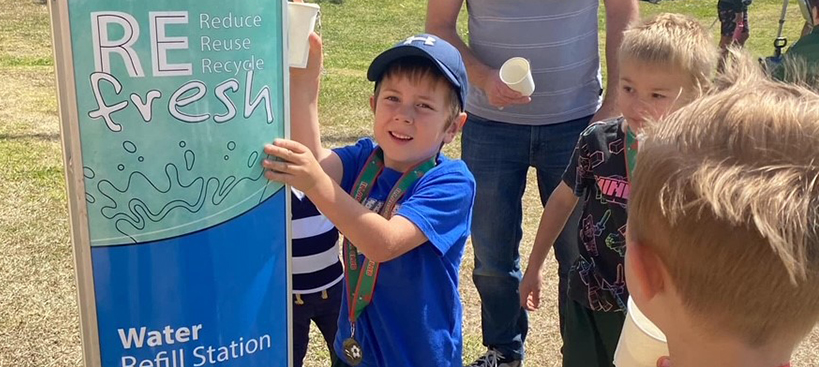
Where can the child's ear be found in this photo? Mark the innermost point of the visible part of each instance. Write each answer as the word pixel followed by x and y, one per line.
pixel 646 274
pixel 372 103
pixel 457 124
pixel 460 120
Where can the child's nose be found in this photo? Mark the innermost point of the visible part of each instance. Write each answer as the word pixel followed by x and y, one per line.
pixel 641 107
pixel 405 114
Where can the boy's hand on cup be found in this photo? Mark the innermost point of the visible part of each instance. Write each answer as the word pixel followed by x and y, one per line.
pixel 529 289
pixel 499 94
pixel 309 76
pixel 297 167
pixel 664 362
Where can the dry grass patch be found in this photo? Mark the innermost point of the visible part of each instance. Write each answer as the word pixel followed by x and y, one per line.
pixel 38 308
pixel 24 34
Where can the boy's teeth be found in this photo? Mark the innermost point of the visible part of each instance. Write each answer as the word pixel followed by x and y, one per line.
pixel 399 136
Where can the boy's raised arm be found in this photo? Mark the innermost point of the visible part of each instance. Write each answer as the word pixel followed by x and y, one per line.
pixel 304 122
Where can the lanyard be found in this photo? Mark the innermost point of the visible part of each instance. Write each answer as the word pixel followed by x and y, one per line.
pixel 364 277
pixel 631 151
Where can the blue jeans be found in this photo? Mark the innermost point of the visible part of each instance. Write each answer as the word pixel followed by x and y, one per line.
pixel 499 156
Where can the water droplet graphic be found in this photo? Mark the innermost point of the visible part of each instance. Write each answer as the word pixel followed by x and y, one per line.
pixel 251 160
pixel 141 158
pixel 88 172
pixel 190 158
pixel 121 167
pixel 90 199
pixel 182 144
pixel 226 157
pixel 231 145
pixel 129 147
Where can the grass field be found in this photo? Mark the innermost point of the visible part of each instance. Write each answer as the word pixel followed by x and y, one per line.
pixel 38 308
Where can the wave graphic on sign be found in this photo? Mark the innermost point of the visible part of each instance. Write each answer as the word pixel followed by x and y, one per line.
pixel 176 202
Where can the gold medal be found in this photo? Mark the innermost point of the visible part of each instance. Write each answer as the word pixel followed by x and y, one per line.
pixel 353 352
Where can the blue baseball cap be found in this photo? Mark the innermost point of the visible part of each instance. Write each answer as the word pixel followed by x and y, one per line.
pixel 445 56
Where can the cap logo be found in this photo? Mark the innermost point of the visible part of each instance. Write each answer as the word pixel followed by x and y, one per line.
pixel 429 41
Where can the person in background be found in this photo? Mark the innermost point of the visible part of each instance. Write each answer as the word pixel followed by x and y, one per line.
pixel 507 133
pixel 734 26
pixel 317 275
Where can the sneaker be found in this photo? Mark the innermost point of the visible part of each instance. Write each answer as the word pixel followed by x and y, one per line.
pixel 493 358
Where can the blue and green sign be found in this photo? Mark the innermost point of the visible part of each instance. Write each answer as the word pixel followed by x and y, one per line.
pixel 174 102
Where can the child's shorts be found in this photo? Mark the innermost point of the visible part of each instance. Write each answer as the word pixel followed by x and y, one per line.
pixel 590 337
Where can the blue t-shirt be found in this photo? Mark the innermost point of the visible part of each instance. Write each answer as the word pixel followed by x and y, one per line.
pixel 414 318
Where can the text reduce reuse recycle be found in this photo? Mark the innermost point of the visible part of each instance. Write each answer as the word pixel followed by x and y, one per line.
pixel 211 46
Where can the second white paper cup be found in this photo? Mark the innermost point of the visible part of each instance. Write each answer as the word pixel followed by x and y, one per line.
pixel 517 74
pixel 641 342
pixel 301 21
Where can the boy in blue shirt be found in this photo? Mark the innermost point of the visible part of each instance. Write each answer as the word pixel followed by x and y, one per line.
pixel 408 218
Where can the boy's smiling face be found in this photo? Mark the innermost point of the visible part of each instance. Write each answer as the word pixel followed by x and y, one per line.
pixel 649 91
pixel 411 119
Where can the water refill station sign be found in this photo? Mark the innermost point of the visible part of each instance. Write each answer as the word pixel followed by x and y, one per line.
pixel 181 244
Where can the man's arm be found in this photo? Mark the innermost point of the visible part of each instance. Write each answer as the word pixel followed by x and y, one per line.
pixel 619 13
pixel 442 21
pixel 304 121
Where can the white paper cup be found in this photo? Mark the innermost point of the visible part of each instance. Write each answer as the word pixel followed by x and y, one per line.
pixel 301 21
pixel 641 342
pixel 517 74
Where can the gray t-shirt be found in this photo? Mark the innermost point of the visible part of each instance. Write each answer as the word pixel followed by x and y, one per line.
pixel 560 40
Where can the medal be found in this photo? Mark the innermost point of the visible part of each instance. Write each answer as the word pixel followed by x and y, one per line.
pixel 361 277
pixel 353 352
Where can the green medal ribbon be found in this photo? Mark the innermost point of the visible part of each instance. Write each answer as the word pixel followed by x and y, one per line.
pixel 364 277
pixel 631 151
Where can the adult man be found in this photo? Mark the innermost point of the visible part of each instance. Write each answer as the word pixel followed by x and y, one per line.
pixel 507 133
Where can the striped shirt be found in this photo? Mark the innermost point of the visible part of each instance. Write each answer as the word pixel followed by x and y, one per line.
pixel 316 266
pixel 560 40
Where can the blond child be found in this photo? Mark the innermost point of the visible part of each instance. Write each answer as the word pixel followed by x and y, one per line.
pixel 723 249
pixel 664 63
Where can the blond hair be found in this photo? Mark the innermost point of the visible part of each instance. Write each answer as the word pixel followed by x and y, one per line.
pixel 675 41
pixel 726 193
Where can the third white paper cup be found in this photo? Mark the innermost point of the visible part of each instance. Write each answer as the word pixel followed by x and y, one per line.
pixel 641 342
pixel 301 21
pixel 517 74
